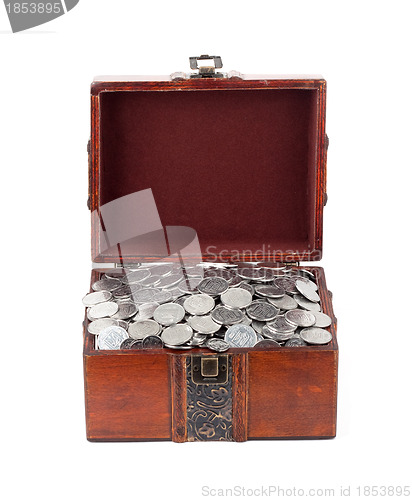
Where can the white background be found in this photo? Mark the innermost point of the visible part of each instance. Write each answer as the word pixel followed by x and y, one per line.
pixel 363 50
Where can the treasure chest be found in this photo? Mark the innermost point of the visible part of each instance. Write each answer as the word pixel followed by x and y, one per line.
pixel 208 175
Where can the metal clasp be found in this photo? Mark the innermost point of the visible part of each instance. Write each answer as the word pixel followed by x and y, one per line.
pixel 210 369
pixel 206 71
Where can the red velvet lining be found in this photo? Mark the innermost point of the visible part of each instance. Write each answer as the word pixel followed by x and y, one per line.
pixel 237 166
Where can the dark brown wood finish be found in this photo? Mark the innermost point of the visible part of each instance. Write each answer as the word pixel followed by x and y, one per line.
pixel 178 390
pixel 292 394
pixel 127 397
pixel 240 84
pixel 240 391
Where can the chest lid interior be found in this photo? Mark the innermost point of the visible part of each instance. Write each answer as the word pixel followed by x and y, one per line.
pixel 236 166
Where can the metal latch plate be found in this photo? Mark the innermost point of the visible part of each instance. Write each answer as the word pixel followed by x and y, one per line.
pixel 210 369
pixel 208 71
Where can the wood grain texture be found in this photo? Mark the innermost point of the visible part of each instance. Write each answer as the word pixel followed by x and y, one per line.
pixel 292 393
pixel 178 390
pixel 127 396
pixel 247 82
pixel 239 395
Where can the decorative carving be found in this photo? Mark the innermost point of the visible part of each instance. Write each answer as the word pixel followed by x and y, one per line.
pixel 209 409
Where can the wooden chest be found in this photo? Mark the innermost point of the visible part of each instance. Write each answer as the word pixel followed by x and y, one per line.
pixel 221 168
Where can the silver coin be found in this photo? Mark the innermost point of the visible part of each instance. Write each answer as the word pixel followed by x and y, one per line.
pixel 136 276
pixel 146 311
pixel 176 293
pixel 213 285
pixel 247 265
pixel 240 336
pixel 141 329
pixel 287 303
pixel 103 310
pixel 262 311
pixel 220 334
pixel 258 325
pixel 124 299
pixel 287 284
pixel 152 342
pixel 199 304
pixel 299 317
pixel 144 295
pixel 115 274
pixel 305 273
pixel 220 272
pixel 235 281
pixel 226 316
pixel 196 270
pixel 278 337
pixel 280 266
pixel 168 314
pixel 151 281
pixel 136 344
pixel 236 298
pixel 266 344
pixel 217 345
pixel 126 310
pixel 261 274
pixel 267 274
pixel 94 298
pixel 322 320
pixel 108 284
pixel 293 275
pixel 122 323
pixel 307 291
pixel 177 334
pixel 316 336
pixel 306 304
pixel 295 342
pixel 181 300
pixel 271 291
pixel 198 339
pixel 248 287
pixel 170 281
pixel 96 326
pixel 245 320
pixel 203 324
pixel 162 297
pixel 185 347
pixel 126 343
pixel 280 325
pixel 126 290
pixel 307 281
pixel 189 285
pixel 111 337
pixel 259 337
pixel 88 315
pixel 163 269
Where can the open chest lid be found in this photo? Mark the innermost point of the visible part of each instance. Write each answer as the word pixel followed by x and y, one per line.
pixel 231 167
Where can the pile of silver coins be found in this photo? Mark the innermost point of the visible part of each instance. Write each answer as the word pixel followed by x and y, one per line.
pixel 166 305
